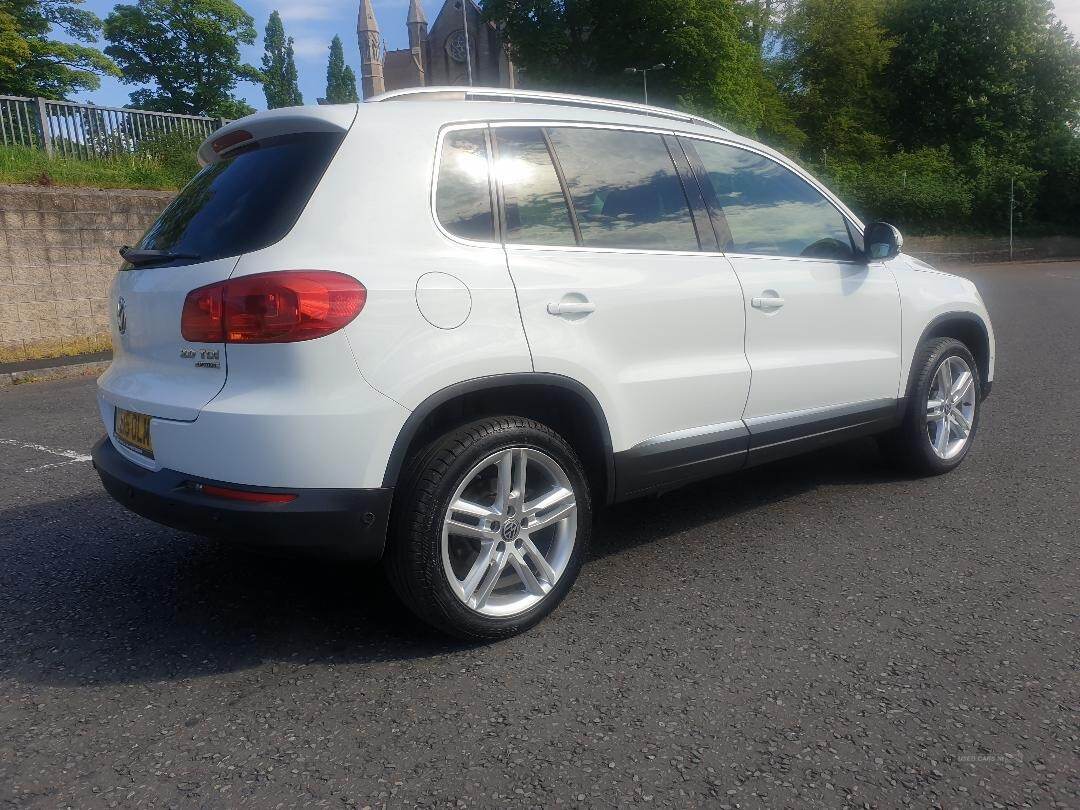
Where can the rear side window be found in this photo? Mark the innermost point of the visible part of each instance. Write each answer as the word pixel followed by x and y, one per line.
pixel 536 210
pixel 769 210
pixel 463 192
pixel 245 202
pixel 624 188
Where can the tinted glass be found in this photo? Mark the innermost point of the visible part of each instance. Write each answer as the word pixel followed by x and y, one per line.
pixel 463 198
pixel 536 212
pixel 246 202
pixel 624 189
pixel 769 210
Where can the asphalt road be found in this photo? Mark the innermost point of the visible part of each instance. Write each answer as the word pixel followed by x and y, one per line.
pixel 819 632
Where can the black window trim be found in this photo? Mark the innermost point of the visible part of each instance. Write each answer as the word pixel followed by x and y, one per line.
pixel 849 218
pixel 708 241
pixel 567 198
pixel 496 211
pixel 496 189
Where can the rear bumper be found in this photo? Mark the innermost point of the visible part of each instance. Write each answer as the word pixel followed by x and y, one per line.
pixel 349 522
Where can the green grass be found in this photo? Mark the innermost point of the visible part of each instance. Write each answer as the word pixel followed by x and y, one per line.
pixel 147 169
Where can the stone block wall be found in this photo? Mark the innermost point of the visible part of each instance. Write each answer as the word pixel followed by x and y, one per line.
pixel 58 254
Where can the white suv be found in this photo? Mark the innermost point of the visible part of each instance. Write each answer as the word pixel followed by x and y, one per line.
pixel 442 327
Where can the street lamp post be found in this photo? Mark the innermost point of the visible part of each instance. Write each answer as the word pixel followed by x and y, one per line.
pixel 465 27
pixel 645 76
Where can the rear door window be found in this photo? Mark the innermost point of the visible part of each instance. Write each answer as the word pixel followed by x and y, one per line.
pixel 536 209
pixel 463 190
pixel 245 202
pixel 625 190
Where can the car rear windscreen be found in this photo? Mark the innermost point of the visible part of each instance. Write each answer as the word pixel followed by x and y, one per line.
pixel 244 202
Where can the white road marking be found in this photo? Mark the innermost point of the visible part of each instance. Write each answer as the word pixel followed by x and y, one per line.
pixel 72 456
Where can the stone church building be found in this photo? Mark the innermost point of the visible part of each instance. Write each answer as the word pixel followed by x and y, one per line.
pixel 435 56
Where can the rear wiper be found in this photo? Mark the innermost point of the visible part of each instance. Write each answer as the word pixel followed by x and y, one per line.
pixel 140 256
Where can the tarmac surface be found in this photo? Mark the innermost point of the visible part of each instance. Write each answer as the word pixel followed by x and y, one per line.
pixel 821 632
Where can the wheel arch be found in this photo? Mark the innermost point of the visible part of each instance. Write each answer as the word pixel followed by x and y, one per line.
pixel 562 403
pixel 971 330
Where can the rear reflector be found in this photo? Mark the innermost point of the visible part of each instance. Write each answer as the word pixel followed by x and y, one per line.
pixel 245 495
pixel 282 307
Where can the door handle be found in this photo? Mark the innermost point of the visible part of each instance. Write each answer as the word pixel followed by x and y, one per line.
pixel 767 302
pixel 571 308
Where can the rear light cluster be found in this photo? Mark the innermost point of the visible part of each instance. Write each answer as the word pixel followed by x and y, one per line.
pixel 282 307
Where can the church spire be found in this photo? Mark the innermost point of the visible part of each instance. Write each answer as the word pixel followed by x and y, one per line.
pixel 416 13
pixel 365 20
pixel 417 25
pixel 370 41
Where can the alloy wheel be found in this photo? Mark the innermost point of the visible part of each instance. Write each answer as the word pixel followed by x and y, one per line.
pixel 509 532
pixel 950 408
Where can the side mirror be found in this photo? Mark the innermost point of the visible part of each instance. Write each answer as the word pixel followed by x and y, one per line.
pixel 882 241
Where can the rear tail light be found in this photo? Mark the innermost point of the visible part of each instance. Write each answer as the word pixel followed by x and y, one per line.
pixel 282 307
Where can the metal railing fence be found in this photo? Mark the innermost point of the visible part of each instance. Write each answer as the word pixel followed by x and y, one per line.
pixel 88 131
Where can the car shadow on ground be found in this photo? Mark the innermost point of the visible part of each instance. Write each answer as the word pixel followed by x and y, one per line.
pixel 90 594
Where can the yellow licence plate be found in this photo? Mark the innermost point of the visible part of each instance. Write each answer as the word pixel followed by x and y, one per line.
pixel 133 429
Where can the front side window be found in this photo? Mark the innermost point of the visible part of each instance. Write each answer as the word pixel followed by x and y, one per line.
pixel 536 211
pixel 766 209
pixel 624 189
pixel 463 193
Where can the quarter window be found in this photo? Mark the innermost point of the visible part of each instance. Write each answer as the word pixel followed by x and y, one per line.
pixel 536 211
pixel 624 189
pixel 769 210
pixel 463 194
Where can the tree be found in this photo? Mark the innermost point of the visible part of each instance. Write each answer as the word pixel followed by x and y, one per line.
pixel 833 54
pixel 279 66
pixel 188 49
pixel 348 84
pixel 340 79
pixel 33 64
pixel 587 45
pixel 999 71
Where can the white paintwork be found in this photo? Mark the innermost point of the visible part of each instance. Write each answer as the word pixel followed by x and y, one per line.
pixel 443 300
pixel 663 350
pixel 282 121
pixel 658 338
pixel 147 374
pixel 926 294
pixel 834 340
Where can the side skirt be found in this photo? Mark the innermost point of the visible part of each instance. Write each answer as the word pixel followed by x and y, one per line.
pixel 776 437
pixel 674 459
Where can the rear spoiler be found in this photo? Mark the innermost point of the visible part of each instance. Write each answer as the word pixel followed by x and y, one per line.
pixel 282 121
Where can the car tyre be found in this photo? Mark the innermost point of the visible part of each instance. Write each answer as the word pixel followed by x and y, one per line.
pixel 471 552
pixel 943 409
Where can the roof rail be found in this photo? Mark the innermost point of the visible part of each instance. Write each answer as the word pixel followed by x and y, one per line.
pixel 458 93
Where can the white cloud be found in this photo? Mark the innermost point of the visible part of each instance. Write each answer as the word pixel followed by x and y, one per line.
pixel 299 12
pixel 1068 11
pixel 310 47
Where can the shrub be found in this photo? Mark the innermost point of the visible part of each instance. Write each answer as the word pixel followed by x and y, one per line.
pixel 165 163
pixel 172 151
pixel 920 192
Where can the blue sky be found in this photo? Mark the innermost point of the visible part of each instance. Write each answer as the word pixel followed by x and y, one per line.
pixel 311 23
